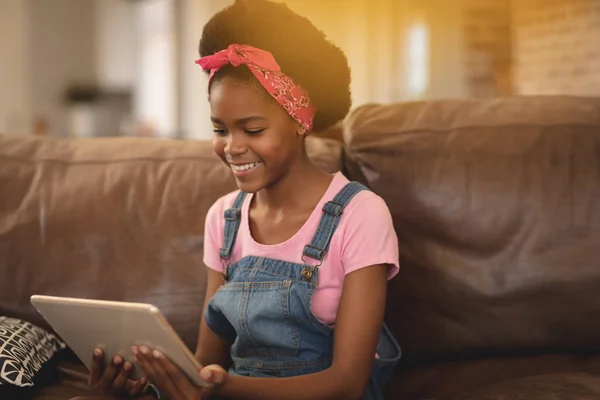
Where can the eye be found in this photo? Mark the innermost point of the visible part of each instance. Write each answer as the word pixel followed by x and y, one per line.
pixel 220 132
pixel 254 132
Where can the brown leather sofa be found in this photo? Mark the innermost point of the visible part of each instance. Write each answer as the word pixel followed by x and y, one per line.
pixel 496 205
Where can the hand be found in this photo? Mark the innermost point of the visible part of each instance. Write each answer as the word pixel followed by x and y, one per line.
pixel 173 383
pixel 113 379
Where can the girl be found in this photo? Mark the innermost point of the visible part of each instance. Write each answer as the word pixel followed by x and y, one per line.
pixel 295 252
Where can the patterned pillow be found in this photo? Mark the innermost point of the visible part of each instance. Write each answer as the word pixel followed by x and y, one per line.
pixel 26 352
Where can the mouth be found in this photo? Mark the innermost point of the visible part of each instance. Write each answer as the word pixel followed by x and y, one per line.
pixel 244 169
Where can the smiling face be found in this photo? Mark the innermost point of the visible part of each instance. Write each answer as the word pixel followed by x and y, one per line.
pixel 253 134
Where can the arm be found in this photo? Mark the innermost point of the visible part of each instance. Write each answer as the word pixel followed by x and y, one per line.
pixel 211 349
pixel 359 321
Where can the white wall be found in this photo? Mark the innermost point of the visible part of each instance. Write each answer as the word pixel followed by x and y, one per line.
pixel 372 33
pixel 344 22
pixel 47 44
pixel 62 50
pixel 192 81
pixel 50 44
pixel 15 85
pixel 115 42
pixel 447 50
pixel 156 100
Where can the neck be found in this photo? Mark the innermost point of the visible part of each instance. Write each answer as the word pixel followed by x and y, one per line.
pixel 294 189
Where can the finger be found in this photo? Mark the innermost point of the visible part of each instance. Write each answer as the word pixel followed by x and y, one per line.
pixel 121 379
pixel 159 377
pixel 159 373
pixel 146 365
pixel 214 374
pixel 135 388
pixel 142 363
pixel 110 372
pixel 97 368
pixel 181 381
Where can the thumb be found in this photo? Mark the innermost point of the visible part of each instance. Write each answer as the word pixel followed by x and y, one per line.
pixel 214 374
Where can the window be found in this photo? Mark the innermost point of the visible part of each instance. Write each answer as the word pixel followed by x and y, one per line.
pixel 156 65
pixel 417 60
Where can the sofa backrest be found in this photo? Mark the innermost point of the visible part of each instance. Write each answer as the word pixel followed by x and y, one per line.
pixel 116 219
pixel 496 204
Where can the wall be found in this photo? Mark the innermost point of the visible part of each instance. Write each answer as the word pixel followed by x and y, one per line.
pixel 373 34
pixel 155 101
pixel 556 46
pixel 68 41
pixel 115 43
pixel 488 47
pixel 375 37
pixel 347 25
pixel 15 92
pixel 444 20
pixel 46 46
pixel 194 110
pixel 62 50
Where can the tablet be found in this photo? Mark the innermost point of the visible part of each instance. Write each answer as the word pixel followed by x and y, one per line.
pixel 115 327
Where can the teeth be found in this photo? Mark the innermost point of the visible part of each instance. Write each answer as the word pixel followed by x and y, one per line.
pixel 244 167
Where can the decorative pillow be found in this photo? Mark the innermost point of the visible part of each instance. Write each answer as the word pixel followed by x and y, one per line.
pixel 27 353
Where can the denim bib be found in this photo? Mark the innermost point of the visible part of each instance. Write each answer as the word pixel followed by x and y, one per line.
pixel 264 307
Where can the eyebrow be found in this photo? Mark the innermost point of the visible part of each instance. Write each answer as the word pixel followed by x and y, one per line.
pixel 240 121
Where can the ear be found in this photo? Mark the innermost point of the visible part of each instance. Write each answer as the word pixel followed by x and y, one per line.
pixel 301 130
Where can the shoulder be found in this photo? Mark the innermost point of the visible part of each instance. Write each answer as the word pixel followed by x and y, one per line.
pixel 365 202
pixel 215 218
pixel 223 203
pixel 214 229
pixel 364 213
pixel 367 234
pixel 366 207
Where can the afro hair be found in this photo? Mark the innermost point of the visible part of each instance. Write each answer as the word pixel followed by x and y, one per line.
pixel 301 50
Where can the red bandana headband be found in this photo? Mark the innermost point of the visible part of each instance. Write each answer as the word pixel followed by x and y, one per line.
pixel 264 67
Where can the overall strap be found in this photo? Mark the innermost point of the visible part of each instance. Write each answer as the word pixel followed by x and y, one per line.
pixel 232 224
pixel 332 212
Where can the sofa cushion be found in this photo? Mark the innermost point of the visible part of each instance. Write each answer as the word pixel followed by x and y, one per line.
pixel 495 203
pixel 27 355
pixel 560 386
pixel 446 380
pixel 115 219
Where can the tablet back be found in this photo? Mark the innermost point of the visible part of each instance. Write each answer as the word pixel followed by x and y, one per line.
pixel 114 327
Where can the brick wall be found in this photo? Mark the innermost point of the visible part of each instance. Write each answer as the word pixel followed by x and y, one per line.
pixel 488 47
pixel 556 46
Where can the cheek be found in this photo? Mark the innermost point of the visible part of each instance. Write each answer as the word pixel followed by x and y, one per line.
pixel 219 146
pixel 276 151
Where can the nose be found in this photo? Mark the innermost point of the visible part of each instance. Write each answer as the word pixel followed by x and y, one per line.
pixel 236 144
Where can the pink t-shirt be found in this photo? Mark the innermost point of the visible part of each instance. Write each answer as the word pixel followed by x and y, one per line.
pixel 364 237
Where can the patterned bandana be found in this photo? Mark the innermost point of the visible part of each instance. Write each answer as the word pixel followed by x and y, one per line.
pixel 264 67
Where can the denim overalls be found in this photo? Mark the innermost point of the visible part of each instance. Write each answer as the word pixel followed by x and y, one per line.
pixel 264 307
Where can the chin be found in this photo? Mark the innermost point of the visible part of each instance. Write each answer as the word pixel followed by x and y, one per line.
pixel 249 185
pixel 256 181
